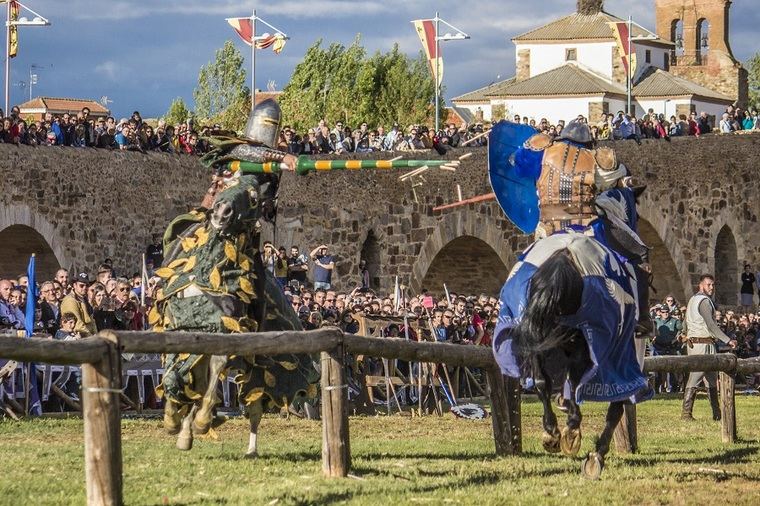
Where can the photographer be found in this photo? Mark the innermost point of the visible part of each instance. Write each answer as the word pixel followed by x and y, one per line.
pixel 10 316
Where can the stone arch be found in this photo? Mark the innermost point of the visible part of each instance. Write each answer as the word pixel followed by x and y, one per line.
pixel 489 235
pixel 726 262
pixel 657 232
pixel 665 276
pixel 703 37
pixel 466 265
pixel 370 252
pixel 23 232
pixel 676 35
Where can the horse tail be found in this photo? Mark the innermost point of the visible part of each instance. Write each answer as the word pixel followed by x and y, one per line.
pixel 556 290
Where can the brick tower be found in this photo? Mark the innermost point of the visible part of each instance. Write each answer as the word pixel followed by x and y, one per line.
pixel 700 29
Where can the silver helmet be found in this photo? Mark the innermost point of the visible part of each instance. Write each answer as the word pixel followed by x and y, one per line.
pixel 263 124
pixel 576 131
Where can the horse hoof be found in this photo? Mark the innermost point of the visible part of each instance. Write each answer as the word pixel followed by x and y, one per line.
pixel 551 442
pixel 185 443
pixel 592 466
pixel 251 455
pixel 570 441
pixel 201 422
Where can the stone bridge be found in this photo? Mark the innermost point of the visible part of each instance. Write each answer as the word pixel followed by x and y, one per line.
pixel 76 207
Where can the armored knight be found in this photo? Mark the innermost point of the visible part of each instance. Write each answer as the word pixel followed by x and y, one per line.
pixel 546 185
pixel 257 144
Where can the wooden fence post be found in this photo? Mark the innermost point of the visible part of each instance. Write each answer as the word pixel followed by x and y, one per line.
pixel 727 408
pixel 336 448
pixel 626 435
pixel 101 386
pixel 505 411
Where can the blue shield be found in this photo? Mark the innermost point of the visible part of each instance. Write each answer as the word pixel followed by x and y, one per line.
pixel 514 171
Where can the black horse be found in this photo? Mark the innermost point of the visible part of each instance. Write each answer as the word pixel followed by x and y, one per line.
pixel 553 352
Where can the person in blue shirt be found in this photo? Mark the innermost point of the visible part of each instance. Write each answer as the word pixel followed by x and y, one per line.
pixel 323 267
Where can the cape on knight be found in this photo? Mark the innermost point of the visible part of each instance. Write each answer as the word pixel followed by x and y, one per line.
pixel 546 185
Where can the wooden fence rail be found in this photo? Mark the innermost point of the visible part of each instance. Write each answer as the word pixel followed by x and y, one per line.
pixel 101 384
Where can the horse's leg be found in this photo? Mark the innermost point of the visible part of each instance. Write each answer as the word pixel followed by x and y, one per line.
pixel 255 411
pixel 579 361
pixel 173 414
pixel 594 463
pixel 205 414
pixel 185 438
pixel 543 384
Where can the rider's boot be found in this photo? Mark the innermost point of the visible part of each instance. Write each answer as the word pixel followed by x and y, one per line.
pixel 712 393
pixel 688 403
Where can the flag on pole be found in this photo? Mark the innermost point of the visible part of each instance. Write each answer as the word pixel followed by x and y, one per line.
pixel 243 27
pixel 35 406
pixel 276 42
pixel 13 30
pixel 426 32
pixel 620 31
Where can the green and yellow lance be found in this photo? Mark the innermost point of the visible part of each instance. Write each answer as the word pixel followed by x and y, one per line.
pixel 305 165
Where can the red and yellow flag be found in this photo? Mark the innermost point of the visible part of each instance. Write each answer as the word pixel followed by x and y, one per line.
pixel 13 31
pixel 620 31
pixel 426 32
pixel 244 28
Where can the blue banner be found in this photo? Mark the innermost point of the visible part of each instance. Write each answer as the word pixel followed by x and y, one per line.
pixel 35 406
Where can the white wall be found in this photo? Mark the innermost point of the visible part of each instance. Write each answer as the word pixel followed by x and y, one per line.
pixel 552 109
pixel 660 106
pixel 544 57
pixel 657 58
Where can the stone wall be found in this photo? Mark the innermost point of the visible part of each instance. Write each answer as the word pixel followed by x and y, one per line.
pixel 522 70
pixel 90 204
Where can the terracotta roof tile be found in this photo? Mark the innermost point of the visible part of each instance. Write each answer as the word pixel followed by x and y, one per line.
pixel 569 79
pixel 483 94
pixel 582 27
pixel 54 104
pixel 658 83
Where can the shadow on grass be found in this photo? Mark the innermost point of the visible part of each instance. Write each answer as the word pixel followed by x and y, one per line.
pixel 732 456
pixel 477 479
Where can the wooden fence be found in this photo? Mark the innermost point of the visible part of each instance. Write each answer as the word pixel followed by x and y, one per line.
pixel 100 357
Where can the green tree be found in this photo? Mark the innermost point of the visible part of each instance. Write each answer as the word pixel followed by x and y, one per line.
pixel 221 84
pixel 753 67
pixel 177 113
pixel 343 83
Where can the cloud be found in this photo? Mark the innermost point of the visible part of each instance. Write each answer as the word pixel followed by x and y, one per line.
pixel 109 69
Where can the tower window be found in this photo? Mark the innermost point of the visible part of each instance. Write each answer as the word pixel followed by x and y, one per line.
pixel 648 56
pixel 571 54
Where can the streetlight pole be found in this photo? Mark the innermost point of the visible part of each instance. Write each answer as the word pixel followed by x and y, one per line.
pixel 437 76
pixel 253 60
pixel 7 55
pixel 630 62
pixel 37 21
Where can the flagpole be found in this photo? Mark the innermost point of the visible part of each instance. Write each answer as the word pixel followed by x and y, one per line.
pixel 7 54
pixel 630 59
pixel 436 77
pixel 253 60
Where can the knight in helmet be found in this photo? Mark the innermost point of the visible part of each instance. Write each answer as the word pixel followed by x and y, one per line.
pixel 547 184
pixel 257 144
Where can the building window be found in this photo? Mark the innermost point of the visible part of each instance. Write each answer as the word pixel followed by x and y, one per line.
pixel 648 56
pixel 666 61
pixel 571 54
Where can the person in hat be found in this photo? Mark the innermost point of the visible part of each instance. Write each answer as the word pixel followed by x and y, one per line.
pixel 76 303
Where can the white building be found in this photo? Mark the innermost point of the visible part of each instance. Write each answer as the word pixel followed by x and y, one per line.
pixel 573 66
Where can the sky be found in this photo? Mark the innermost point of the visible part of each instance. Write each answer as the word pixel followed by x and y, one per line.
pixel 141 55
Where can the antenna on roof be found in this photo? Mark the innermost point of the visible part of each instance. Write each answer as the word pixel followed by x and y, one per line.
pixel 271 85
pixel 104 101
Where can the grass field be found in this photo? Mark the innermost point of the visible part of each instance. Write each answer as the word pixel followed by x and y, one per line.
pixel 396 460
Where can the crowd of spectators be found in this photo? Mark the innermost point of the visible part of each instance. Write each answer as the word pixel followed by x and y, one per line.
pixel 621 126
pixel 669 339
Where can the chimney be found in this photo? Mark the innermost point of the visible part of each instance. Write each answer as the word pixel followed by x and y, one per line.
pixel 590 7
